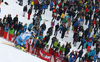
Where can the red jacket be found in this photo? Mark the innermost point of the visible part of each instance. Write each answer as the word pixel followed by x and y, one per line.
pixel 99 0
pixel 96 10
pixel 36 2
pixel 94 22
pixel 65 8
pixel 56 54
pixel 54 10
pixel 59 4
pixel 51 51
pixel 86 10
pixel 55 2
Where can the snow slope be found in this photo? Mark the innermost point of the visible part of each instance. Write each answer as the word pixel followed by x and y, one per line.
pixel 13 8
pixel 11 54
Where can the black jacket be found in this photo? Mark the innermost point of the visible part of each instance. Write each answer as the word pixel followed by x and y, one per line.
pixel 15 19
pixel 30 11
pixel 19 26
pixel 67 50
pixel 16 26
pixel 87 17
pixel 43 26
pixel 9 19
pixel 80 53
pixel 25 8
pixel 66 59
pixel 47 38
pixel 56 27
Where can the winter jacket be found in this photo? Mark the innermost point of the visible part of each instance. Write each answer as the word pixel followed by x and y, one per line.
pixel 94 58
pixel 67 50
pixel 62 49
pixel 11 31
pixel 93 52
pixel 19 26
pixel 87 17
pixel 75 24
pixel 51 51
pixel 51 4
pixel 67 16
pixel 56 54
pixel 56 27
pixel 9 19
pixel 55 43
pixel 40 45
pixel 59 4
pixel 30 11
pixel 66 59
pixel 30 26
pixel 15 19
pixel 64 20
pixel 32 3
pixel 71 59
pixel 80 53
pixel 21 31
pixel 40 37
pixel 47 39
pixel 89 44
pixel 44 6
pixel 6 29
pixel 96 34
pixel 35 1
pixel 43 26
pixel 76 38
pixel 62 15
pixel 49 32
pixel 25 8
pixel 54 39
pixel 16 26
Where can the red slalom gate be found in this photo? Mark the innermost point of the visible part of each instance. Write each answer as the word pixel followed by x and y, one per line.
pixel 57 59
pixel 44 55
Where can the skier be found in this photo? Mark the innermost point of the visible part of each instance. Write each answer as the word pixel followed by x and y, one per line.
pixel 22 38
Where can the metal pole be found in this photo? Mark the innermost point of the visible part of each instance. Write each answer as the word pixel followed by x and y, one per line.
pixel 38 35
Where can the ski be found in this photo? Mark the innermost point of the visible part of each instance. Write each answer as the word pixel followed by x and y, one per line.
pixel 17 47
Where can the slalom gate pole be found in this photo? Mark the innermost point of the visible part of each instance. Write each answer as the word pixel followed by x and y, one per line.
pixel 38 35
